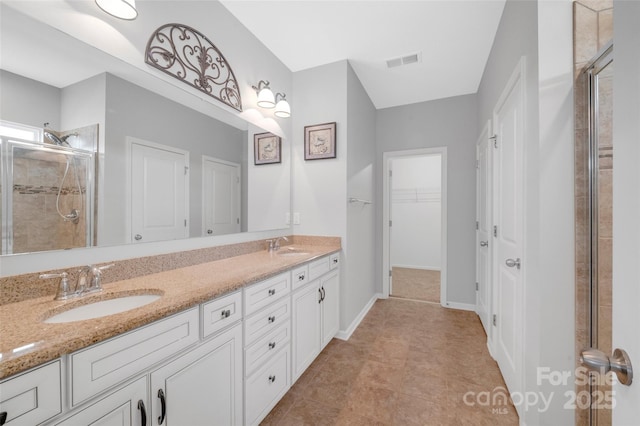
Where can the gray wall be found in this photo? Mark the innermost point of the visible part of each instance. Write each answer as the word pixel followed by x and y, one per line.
pixel 27 101
pixel 325 94
pixel 134 111
pixel 361 117
pixel 451 123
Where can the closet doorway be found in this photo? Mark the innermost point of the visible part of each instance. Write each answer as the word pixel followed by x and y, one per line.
pixel 414 227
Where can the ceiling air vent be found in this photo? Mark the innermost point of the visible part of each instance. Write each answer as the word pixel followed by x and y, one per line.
pixel 404 60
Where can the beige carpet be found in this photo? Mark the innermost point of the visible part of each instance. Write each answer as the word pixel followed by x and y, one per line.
pixel 418 284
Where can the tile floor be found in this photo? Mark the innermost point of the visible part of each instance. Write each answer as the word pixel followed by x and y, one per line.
pixel 408 363
pixel 418 284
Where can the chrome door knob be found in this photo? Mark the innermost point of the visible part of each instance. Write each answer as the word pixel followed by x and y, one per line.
pixel 484 243
pixel 511 263
pixel 619 363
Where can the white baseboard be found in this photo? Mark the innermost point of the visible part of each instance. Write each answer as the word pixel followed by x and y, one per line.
pixel 426 268
pixel 461 306
pixel 345 335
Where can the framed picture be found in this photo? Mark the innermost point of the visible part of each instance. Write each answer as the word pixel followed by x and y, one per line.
pixel 266 148
pixel 320 141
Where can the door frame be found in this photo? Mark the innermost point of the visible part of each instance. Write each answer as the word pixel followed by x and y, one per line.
pixel 129 141
pixel 206 158
pixel 485 135
pixel 387 157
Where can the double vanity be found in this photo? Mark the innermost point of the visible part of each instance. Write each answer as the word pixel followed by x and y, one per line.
pixel 217 343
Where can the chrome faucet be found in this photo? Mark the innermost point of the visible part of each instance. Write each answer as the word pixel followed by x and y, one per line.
pixel 89 281
pixel 274 244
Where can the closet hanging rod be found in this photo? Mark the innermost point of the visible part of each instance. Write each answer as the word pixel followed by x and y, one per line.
pixel 359 200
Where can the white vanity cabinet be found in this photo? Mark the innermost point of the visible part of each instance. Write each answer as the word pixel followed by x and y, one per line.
pixel 127 406
pixel 203 386
pixel 32 397
pixel 101 366
pixel 267 353
pixel 315 310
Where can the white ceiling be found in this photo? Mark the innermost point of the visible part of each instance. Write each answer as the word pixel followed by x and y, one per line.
pixel 453 36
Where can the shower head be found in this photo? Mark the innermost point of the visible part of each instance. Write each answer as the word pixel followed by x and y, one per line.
pixel 55 139
pixel 65 137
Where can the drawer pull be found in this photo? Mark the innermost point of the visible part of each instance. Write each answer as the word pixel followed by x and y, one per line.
pixel 301 277
pixel 272 291
pixel 272 345
pixel 272 318
pixel 163 404
pixel 335 260
pixel 226 313
pixel 143 413
pixel 272 379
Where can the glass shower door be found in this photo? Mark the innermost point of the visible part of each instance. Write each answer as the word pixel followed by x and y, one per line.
pixel 601 149
pixel 47 197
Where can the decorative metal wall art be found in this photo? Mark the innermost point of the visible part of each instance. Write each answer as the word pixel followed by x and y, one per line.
pixel 189 56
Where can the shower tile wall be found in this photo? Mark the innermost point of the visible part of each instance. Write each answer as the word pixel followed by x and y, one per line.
pixel 593 29
pixel 36 223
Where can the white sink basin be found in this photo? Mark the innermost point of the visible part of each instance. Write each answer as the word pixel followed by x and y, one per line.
pixel 291 252
pixel 103 308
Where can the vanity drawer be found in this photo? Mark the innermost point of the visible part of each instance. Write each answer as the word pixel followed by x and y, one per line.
pixel 105 364
pixel 300 276
pixel 219 313
pixel 265 387
pixel 334 260
pixel 259 352
pixel 260 295
pixel 319 267
pixel 32 397
pixel 266 320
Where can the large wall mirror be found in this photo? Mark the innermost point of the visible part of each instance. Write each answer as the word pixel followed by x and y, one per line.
pixel 98 153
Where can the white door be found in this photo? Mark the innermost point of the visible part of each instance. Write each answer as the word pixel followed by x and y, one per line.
pixel 202 387
pixel 306 327
pixel 626 206
pixel 483 226
pixel 159 192
pixel 125 407
pixel 220 197
pixel 508 232
pixel 329 285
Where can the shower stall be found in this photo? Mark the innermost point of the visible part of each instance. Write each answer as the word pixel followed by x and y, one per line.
pixel 46 188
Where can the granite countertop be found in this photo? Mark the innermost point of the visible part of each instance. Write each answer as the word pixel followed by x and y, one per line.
pixel 27 341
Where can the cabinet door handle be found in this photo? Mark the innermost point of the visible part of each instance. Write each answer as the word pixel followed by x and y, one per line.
pixel 323 294
pixel 272 318
pixel 3 418
pixel 272 379
pixel 272 291
pixel 163 405
pixel 143 413
pixel 320 298
pixel 272 345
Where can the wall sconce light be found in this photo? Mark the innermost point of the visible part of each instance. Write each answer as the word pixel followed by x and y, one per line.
pixel 283 110
pixel 123 9
pixel 265 95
